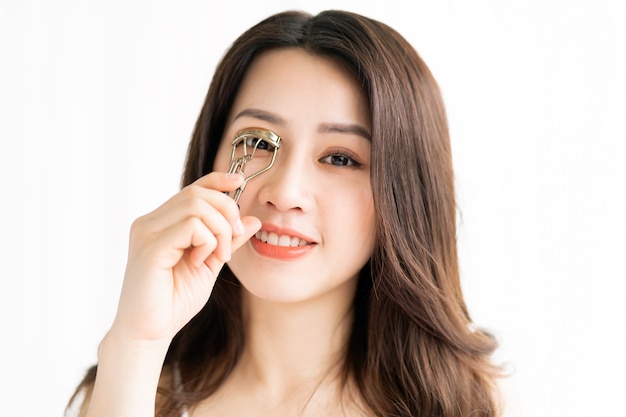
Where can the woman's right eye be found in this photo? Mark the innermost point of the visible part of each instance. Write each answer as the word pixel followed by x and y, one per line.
pixel 259 143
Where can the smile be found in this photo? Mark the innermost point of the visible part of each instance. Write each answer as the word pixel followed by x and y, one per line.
pixel 275 239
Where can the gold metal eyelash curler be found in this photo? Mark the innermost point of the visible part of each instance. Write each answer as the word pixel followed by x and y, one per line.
pixel 243 151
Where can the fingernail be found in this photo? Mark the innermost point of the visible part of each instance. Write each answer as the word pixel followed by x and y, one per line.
pixel 238 227
pixel 233 175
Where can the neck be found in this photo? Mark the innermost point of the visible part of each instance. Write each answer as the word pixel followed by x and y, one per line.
pixel 295 345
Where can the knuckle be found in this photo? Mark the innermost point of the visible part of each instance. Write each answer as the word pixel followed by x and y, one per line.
pixel 194 223
pixel 196 205
pixel 137 227
pixel 190 192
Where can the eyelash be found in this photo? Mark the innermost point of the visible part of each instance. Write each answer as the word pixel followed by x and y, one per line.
pixel 263 145
pixel 352 162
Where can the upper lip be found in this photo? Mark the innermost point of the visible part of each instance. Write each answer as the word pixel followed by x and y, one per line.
pixel 281 230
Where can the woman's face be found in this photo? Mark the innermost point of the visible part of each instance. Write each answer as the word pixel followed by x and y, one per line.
pixel 316 202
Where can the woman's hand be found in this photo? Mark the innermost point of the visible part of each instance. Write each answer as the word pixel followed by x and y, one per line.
pixel 175 255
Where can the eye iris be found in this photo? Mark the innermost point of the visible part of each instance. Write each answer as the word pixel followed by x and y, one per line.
pixel 258 143
pixel 340 160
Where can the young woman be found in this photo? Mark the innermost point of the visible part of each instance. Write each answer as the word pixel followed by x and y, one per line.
pixel 331 287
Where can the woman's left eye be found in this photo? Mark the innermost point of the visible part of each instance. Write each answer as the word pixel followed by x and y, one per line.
pixel 341 160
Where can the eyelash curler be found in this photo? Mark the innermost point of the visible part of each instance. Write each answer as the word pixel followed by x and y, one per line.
pixel 243 152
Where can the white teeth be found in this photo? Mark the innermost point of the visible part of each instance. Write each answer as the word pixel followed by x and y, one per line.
pixel 282 240
pixel 272 239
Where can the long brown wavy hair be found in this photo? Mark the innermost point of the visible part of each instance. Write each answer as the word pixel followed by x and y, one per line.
pixel 413 349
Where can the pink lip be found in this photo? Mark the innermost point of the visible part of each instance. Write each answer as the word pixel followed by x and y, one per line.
pixel 281 252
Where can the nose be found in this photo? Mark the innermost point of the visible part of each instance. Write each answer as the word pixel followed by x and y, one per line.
pixel 288 185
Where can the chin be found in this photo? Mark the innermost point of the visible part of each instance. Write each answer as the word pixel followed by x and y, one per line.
pixel 303 291
pixel 277 290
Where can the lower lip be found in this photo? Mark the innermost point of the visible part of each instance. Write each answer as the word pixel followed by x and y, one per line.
pixel 279 252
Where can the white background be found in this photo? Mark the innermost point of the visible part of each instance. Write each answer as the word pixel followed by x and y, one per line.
pixel 98 100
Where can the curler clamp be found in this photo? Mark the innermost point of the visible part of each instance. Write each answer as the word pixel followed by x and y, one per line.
pixel 245 145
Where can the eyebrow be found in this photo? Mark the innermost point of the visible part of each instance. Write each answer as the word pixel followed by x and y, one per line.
pixel 261 115
pixel 347 128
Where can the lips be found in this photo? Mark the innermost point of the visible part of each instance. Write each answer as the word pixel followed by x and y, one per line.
pixel 281 243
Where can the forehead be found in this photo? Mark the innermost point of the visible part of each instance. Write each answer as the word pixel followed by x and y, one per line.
pixel 299 85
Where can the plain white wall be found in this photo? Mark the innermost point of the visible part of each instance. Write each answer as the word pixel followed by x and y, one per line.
pixel 98 100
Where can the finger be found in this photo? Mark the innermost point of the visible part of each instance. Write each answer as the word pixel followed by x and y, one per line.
pixel 196 201
pixel 170 245
pixel 251 226
pixel 182 213
pixel 194 204
pixel 225 182
pixel 203 248
pixel 220 181
pixel 222 230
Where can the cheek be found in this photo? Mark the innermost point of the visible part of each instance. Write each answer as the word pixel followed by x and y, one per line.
pixel 353 212
pixel 222 158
